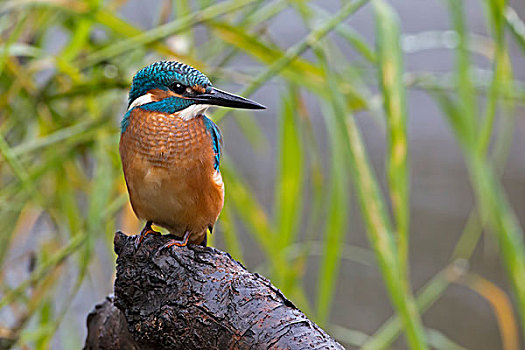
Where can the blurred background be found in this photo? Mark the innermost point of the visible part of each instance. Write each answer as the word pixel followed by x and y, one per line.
pixel 381 190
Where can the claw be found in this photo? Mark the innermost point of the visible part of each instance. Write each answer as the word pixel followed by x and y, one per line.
pixel 145 231
pixel 181 243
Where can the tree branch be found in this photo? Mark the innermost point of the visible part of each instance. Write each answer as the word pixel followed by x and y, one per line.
pixel 195 298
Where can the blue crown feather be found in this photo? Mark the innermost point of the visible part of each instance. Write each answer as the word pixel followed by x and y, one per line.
pixel 163 74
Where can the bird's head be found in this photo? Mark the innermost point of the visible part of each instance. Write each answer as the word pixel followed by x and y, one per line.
pixel 180 88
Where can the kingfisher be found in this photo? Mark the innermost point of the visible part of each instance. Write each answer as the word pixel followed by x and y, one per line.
pixel 171 152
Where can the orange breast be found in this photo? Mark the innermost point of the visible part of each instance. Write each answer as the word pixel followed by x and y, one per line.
pixel 168 164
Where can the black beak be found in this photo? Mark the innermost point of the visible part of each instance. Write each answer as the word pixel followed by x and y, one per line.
pixel 218 97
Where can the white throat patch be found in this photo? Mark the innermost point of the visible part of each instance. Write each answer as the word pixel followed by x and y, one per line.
pixel 187 113
pixel 193 111
pixel 141 100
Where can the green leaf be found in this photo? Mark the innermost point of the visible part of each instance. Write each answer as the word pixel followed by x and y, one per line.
pixel 390 61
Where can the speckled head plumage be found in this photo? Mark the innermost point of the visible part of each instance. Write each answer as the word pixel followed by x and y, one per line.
pixel 165 75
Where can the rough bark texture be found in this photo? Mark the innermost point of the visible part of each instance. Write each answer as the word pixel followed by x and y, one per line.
pixel 196 298
pixel 108 329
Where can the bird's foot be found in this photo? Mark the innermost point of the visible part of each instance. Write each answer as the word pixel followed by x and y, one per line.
pixel 145 231
pixel 179 243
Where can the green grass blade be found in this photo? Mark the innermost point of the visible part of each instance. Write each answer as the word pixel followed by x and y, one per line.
pixel 390 63
pixel 516 25
pixel 440 341
pixel 20 172
pixel 229 230
pixel 494 208
pixel 251 212
pixel 427 296
pixel 467 96
pixel 502 71
pixel 349 34
pixel 163 31
pixel 296 50
pixel 490 195
pixel 378 226
pixel 380 236
pixel 298 71
pixel 290 175
pixel 338 207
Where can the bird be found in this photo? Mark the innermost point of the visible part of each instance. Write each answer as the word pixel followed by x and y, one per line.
pixel 171 151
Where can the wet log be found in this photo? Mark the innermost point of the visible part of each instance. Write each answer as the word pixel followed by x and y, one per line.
pixel 195 297
pixel 108 328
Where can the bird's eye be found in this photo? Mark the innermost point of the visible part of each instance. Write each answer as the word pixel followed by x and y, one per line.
pixel 178 88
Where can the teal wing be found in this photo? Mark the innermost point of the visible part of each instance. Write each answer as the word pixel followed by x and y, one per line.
pixel 216 138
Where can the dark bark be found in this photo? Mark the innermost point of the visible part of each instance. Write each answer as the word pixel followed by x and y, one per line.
pixel 195 298
pixel 108 329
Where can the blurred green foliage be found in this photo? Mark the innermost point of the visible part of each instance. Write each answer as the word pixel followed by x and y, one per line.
pixel 65 67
